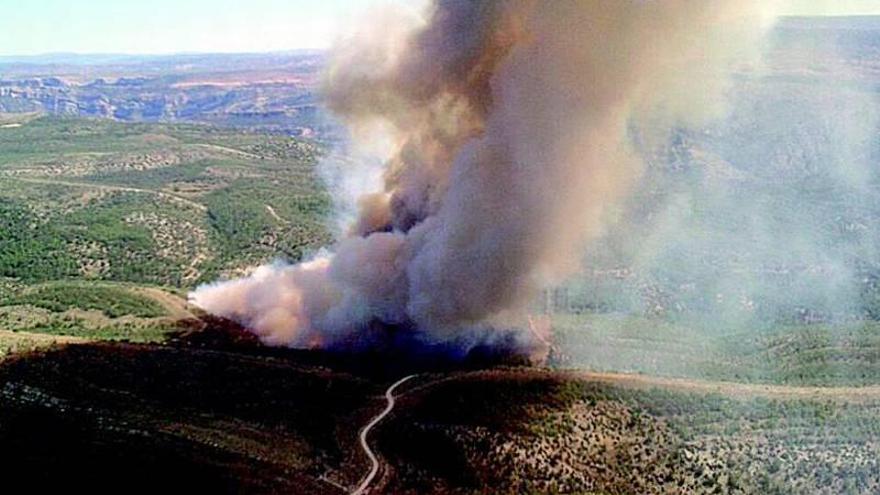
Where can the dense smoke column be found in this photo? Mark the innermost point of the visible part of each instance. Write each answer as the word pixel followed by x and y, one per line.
pixel 507 125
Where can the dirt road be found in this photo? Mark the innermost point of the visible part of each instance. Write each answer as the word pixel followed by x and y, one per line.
pixel 230 151
pixel 175 305
pixel 104 187
pixel 374 461
pixel 274 214
pixel 731 389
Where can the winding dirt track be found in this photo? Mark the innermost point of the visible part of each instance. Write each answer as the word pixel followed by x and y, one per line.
pixel 743 391
pixel 230 151
pixel 105 187
pixel 389 396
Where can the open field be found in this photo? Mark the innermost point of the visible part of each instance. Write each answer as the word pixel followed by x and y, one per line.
pixel 12 343
pixel 93 311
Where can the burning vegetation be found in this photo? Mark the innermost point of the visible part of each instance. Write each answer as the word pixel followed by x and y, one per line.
pixel 501 134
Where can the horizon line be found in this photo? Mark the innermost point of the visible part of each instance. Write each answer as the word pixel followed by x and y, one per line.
pixel 184 53
pixel 156 54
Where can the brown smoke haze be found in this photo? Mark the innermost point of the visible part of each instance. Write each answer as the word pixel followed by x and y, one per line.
pixel 504 135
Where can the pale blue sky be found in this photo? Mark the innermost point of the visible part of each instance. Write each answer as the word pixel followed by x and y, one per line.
pixel 169 26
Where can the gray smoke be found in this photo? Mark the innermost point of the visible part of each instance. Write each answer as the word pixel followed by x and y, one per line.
pixel 764 217
pixel 505 130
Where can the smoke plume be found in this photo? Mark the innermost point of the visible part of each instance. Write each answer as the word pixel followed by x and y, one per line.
pixel 505 134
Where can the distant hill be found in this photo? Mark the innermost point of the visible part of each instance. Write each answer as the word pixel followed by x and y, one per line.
pixel 267 91
pixel 837 23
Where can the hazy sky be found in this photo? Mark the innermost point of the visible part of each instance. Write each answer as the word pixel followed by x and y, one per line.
pixel 170 26
pixel 167 26
pixel 833 7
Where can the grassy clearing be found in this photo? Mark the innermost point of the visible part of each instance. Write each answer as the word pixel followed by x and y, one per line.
pixel 127 331
pixel 112 301
pixel 86 311
pixel 19 342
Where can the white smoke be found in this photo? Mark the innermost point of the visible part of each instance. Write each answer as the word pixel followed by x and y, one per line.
pixel 505 126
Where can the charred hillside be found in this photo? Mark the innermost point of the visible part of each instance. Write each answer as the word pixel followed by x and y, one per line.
pixel 212 409
pixel 215 411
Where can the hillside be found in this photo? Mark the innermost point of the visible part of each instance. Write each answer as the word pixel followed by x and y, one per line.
pixel 235 417
pixel 93 209
pixel 167 204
